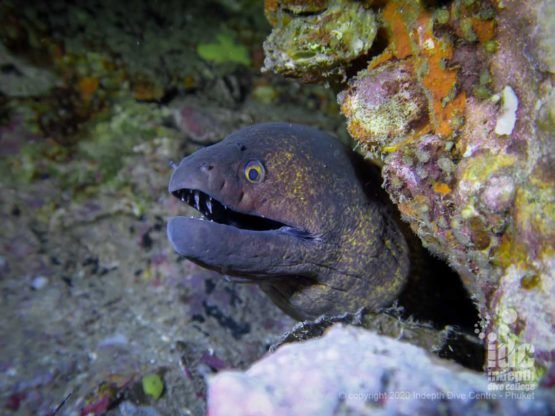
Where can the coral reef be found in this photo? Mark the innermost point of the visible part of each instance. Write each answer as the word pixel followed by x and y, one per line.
pixel 67 69
pixel 21 80
pixel 93 298
pixel 458 107
pixel 316 39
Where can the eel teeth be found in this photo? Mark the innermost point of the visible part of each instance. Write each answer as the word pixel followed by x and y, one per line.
pixel 209 205
pixel 197 199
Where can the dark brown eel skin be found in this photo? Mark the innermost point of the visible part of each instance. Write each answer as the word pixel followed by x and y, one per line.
pixel 294 210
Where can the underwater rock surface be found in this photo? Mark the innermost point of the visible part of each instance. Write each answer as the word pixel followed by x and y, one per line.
pixel 354 371
pixel 459 106
pixel 314 40
pixel 95 101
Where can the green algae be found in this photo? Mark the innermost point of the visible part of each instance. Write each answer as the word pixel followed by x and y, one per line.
pixel 315 45
pixel 98 155
pixel 153 386
pixel 223 50
pixel 467 31
pixel 441 16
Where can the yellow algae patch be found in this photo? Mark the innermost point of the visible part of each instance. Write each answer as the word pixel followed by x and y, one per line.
pixel 480 167
pixel 441 188
pixel 87 87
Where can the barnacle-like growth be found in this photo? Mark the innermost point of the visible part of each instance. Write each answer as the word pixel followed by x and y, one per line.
pixel 385 107
pixel 316 40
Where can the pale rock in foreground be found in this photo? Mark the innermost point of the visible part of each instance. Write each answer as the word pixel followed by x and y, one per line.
pixel 357 372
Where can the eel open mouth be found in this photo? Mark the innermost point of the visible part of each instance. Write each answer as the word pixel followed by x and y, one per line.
pixel 214 210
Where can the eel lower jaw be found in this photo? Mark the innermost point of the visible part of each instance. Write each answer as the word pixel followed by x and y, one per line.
pixel 215 211
pixel 262 254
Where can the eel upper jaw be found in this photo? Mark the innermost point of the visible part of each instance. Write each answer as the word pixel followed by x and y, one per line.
pixel 216 211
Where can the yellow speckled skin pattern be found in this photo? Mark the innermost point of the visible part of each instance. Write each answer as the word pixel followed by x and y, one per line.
pixel 340 247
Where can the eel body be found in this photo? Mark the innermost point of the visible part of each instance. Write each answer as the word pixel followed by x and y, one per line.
pixel 294 210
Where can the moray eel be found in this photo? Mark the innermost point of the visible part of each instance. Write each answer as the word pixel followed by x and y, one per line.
pixel 291 208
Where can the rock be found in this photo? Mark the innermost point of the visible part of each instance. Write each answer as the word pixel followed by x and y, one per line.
pixel 39 282
pixel 203 123
pixel 385 105
pixel 127 408
pixel 19 79
pixel 353 371
pixel 115 340
pixel 459 107
pixel 314 40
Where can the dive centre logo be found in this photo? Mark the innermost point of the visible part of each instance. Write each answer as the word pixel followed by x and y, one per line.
pixel 509 363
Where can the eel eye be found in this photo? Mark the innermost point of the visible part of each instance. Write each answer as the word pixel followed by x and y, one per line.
pixel 254 171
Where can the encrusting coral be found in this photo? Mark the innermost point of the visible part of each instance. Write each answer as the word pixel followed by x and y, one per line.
pixel 316 39
pixel 457 103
